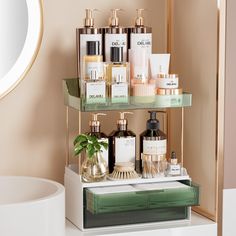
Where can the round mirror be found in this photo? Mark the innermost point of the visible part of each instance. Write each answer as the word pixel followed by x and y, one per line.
pixel 21 35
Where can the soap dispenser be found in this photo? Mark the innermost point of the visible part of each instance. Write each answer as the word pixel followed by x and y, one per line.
pixel 87 33
pixel 140 35
pixel 95 130
pixel 153 142
pixel 115 36
pixel 122 143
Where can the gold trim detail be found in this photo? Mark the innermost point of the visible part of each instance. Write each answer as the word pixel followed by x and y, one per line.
pixel 33 57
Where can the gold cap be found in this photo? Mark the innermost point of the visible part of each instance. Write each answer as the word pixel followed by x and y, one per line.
pixel 89 20
pixel 122 120
pixel 139 20
pixel 94 121
pixel 114 20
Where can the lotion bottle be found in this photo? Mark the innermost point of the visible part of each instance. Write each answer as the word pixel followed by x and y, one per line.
pixel 153 141
pixel 122 143
pixel 141 35
pixel 115 36
pixel 95 130
pixel 87 33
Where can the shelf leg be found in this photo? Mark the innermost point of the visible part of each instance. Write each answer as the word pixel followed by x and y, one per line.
pixel 67 136
pixel 182 137
pixel 80 161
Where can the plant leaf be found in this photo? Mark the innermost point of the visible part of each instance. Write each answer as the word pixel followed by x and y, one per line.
pixel 78 149
pixel 104 144
pixel 80 138
pixel 91 152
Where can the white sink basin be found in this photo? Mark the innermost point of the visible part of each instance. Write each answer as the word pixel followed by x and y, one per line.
pixel 31 207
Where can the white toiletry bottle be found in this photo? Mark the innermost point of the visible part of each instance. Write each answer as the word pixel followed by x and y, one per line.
pixel 87 33
pixel 141 35
pixel 115 36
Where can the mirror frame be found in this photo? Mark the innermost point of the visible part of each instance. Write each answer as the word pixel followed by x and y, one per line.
pixel 30 49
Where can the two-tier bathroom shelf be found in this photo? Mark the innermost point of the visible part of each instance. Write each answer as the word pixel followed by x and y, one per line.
pixel 162 207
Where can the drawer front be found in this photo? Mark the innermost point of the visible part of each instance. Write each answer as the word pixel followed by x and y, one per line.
pixel 134 217
pixel 141 200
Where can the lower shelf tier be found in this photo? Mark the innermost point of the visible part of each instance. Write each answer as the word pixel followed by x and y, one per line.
pixel 73 99
pixel 115 203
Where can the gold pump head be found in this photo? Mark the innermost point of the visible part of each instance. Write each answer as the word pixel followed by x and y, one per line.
pixel 94 121
pixel 122 120
pixel 89 20
pixel 139 20
pixel 114 20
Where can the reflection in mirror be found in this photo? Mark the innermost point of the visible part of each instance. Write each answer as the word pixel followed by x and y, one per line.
pixel 21 33
pixel 13 24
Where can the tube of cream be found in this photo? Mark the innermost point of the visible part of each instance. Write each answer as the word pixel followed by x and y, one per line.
pixel 159 64
pixel 139 66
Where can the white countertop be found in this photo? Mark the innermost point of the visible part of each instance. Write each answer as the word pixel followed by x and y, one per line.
pixel 199 225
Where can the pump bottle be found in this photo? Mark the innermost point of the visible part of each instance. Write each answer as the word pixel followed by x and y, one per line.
pixel 87 33
pixel 153 141
pixel 115 36
pixel 140 35
pixel 122 143
pixel 95 130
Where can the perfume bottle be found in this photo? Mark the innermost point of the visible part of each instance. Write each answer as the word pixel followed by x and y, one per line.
pixel 118 77
pixel 87 33
pixel 153 147
pixel 95 130
pixel 173 168
pixel 94 84
pixel 122 143
pixel 115 36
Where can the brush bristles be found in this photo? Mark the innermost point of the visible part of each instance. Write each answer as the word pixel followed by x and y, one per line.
pixel 124 174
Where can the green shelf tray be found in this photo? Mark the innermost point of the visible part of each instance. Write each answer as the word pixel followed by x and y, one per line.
pixel 72 99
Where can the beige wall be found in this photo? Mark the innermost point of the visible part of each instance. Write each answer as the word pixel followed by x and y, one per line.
pixel 194 58
pixel 230 98
pixel 32 140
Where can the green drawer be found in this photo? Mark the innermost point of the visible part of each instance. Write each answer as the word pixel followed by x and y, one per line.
pixel 139 198
pixel 115 202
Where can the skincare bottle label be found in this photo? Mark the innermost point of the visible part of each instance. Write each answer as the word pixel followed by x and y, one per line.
pixel 125 149
pixel 119 93
pixel 96 92
pixel 119 88
pixel 140 74
pixel 83 41
pixel 94 70
pixel 115 40
pixel 154 147
pixel 166 83
pixel 174 169
pixel 142 41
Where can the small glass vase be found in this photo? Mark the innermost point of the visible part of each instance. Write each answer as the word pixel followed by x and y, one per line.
pixel 94 169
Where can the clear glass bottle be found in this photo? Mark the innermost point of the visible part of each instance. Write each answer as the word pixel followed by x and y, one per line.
pixel 117 76
pixel 93 80
pixel 122 143
pixel 95 130
pixel 173 168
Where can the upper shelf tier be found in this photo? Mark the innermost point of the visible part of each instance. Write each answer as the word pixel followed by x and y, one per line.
pixel 72 99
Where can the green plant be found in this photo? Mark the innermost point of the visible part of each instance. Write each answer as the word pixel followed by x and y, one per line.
pixel 89 143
